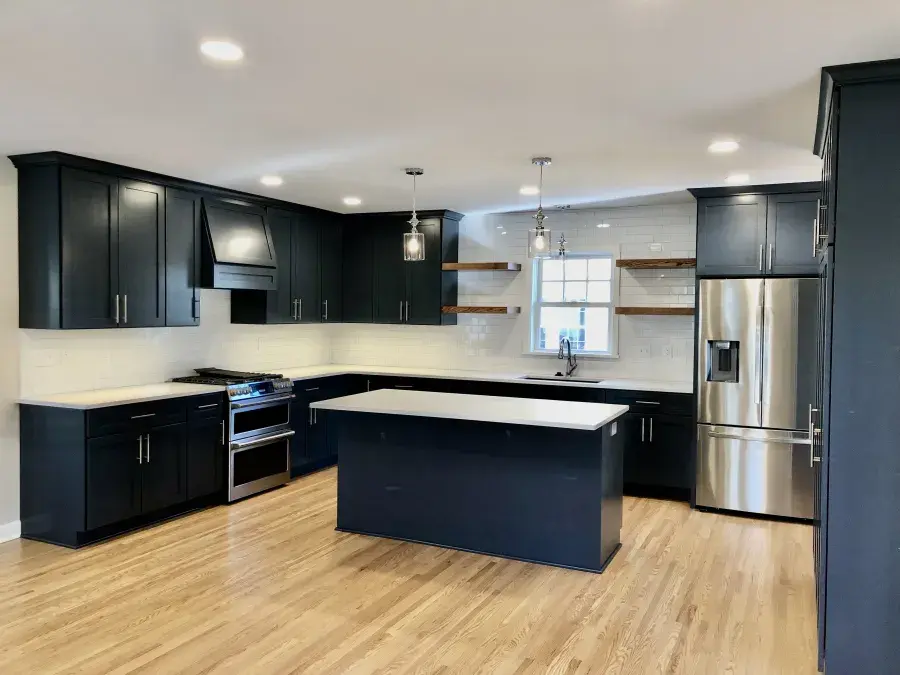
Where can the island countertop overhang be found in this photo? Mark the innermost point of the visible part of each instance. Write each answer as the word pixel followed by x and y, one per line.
pixel 574 415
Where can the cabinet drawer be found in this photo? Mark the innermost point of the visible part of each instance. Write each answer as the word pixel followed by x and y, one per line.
pixel 652 402
pixel 135 417
pixel 205 407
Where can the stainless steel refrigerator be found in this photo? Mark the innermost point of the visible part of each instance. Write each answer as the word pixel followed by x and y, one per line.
pixel 756 387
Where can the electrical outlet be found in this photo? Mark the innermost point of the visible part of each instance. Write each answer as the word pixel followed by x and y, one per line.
pixel 656 247
pixel 643 352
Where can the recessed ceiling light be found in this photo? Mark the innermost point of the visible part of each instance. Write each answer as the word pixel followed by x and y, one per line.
pixel 602 225
pixel 221 50
pixel 271 181
pixel 723 147
pixel 738 179
pixel 352 201
pixel 504 232
pixel 529 190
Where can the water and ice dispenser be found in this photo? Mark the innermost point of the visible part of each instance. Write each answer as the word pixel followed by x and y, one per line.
pixel 723 357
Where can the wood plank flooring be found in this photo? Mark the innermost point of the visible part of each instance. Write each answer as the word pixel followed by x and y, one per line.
pixel 267 586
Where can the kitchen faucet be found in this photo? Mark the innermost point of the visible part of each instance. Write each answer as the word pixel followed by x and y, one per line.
pixel 571 361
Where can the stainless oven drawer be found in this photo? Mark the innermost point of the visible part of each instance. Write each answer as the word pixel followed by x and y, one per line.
pixel 247 419
pixel 258 464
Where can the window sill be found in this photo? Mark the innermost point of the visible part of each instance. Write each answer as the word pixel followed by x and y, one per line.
pixel 581 355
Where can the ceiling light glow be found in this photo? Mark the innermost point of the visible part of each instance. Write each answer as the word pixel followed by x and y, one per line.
pixel 724 147
pixel 737 179
pixel 222 50
pixel 602 225
pixel 271 181
pixel 529 190
pixel 352 201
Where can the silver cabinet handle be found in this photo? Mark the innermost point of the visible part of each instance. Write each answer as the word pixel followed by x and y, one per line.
pixel 771 255
pixel 368 385
pixel 651 429
pixel 642 430
pixel 140 417
pixel 195 308
pixel 407 311
pixel 310 416
pixel 140 449
pixel 299 309
pixel 208 405
pixel 294 309
pixel 125 308
pixel 315 415
pixel 401 311
pixel 117 309
pixel 403 386
pixel 313 389
pixel 326 310
pixel 147 450
pixel 223 431
pixel 761 247
pixel 649 402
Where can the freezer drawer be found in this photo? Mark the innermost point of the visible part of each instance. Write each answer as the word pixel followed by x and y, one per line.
pixel 755 471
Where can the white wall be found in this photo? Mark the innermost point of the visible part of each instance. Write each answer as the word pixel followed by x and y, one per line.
pixel 649 347
pixel 9 363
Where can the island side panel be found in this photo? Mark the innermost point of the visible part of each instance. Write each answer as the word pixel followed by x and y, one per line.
pixel 531 493
pixel 613 476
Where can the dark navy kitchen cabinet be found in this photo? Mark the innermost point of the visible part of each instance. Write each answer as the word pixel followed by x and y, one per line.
pixel 314 444
pixel 331 239
pixel 113 479
pixel 358 267
pixel 389 277
pixel 142 254
pixel 757 230
pixel 182 262
pixel 206 454
pixel 163 472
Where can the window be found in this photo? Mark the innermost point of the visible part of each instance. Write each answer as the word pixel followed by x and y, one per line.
pixel 573 298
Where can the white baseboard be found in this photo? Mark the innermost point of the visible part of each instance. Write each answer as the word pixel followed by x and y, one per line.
pixel 10 531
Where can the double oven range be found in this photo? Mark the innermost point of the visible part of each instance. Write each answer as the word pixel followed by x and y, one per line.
pixel 257 428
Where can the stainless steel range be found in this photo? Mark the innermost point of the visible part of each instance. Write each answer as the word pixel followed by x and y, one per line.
pixel 257 428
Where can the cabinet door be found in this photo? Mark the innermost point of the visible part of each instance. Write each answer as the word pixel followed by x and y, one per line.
pixel 90 249
pixel 300 424
pixel 331 268
pixel 424 291
pixel 164 469
pixel 280 302
pixel 389 278
pixel 790 234
pixel 668 457
pixel 142 254
pixel 205 458
pixel 113 479
pixel 731 235
pixel 182 258
pixel 305 261
pixel 357 272
pixel 632 426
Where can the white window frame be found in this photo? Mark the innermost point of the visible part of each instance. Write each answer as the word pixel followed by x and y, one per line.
pixel 536 305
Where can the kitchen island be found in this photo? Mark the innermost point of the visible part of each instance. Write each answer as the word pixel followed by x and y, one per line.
pixel 533 480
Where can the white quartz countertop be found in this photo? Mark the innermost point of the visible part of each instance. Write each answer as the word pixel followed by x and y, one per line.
pixel 311 372
pixel 496 409
pixel 101 398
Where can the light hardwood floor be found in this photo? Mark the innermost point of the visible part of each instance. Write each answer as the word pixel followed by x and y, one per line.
pixel 267 586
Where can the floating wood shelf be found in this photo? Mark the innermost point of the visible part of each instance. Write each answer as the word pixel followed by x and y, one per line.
pixel 655 311
pixel 481 266
pixel 656 263
pixel 480 310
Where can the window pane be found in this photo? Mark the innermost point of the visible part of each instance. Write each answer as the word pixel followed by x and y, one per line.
pixel 552 291
pixel 557 323
pixel 576 269
pixel 599 291
pixel 552 270
pixel 600 268
pixel 576 291
pixel 596 329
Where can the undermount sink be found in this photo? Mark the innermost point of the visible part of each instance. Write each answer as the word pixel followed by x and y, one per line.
pixel 560 378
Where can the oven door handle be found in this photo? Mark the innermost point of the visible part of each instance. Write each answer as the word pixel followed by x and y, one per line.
pixel 260 402
pixel 256 442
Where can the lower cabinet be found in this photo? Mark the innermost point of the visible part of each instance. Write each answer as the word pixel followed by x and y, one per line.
pixel 314 444
pixel 657 451
pixel 206 459
pixel 163 471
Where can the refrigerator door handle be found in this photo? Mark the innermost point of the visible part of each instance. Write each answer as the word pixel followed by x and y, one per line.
pixel 759 358
pixel 750 439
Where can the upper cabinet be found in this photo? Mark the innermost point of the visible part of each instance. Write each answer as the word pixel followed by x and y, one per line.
pixel 91 250
pixel 308 249
pixel 764 230
pixel 381 287
pixel 183 257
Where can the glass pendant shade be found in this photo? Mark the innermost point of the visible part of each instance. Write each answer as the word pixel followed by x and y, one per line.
pixel 413 246
pixel 540 244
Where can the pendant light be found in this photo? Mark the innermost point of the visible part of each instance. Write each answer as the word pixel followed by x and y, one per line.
pixel 414 241
pixel 562 246
pixel 539 241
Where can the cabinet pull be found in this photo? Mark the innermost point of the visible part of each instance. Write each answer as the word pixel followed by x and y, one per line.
pixel 117 309
pixel 815 237
pixel 642 430
pixel 403 386
pixel 195 308
pixel 147 457
pixel 125 308
pixel 310 416
pixel 326 310
pixel 771 255
pixel 315 415
pixel 651 429
pixel 223 431
pixel 299 309
pixel 761 249
pixel 208 405
pixel 140 417
pixel 401 311
pixel 140 449
pixel 407 311
pixel 649 402
pixel 368 385
pixel 313 389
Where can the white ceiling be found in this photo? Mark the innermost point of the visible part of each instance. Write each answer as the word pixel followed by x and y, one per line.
pixel 338 96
